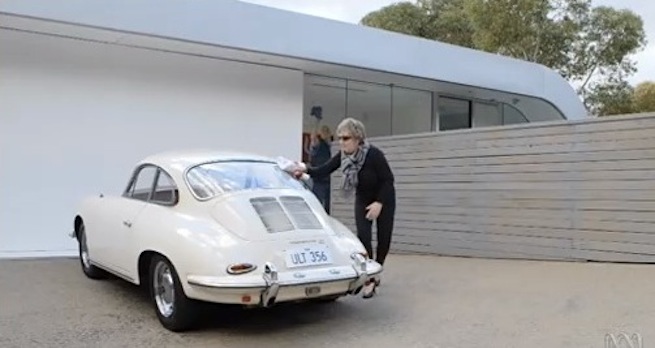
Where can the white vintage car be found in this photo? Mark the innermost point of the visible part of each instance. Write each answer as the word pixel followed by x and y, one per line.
pixel 219 227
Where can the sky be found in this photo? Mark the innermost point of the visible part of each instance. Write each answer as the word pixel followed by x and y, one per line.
pixel 353 10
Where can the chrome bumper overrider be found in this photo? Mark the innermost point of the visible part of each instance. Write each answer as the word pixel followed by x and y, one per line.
pixel 272 285
pixel 360 267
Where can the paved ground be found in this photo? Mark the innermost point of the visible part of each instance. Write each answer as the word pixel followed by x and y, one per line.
pixel 459 302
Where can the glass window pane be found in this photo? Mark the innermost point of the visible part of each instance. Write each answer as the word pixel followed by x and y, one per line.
pixel 208 180
pixel 534 110
pixel 371 104
pixel 144 181
pixel 512 116
pixel 165 191
pixel 412 111
pixel 486 115
pixel 454 113
pixel 328 94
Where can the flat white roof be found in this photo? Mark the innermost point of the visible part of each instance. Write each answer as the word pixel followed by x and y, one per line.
pixel 255 28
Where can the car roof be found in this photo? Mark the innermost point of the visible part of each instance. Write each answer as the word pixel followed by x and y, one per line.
pixel 183 159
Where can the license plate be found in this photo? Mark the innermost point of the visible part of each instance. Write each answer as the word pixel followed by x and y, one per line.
pixel 314 255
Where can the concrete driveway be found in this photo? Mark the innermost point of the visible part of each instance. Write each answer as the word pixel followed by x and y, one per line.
pixel 457 302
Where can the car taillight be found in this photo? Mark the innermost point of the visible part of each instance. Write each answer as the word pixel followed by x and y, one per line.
pixel 240 268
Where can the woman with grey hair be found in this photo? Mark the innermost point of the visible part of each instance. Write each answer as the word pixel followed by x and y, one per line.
pixel 367 174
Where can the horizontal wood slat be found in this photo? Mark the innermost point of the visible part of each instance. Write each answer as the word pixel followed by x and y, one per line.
pixel 571 190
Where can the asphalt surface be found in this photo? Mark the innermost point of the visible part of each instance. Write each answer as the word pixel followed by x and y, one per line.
pixel 424 301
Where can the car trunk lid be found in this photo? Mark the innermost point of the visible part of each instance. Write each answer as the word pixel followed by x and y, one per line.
pixel 261 215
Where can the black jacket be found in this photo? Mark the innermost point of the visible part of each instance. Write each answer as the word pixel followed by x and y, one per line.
pixel 375 179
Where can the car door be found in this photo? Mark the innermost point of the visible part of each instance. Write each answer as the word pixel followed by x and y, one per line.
pixel 136 197
pixel 146 216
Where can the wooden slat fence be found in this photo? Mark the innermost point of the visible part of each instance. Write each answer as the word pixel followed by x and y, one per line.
pixel 571 190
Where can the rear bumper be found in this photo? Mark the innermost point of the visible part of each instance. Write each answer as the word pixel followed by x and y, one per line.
pixel 272 286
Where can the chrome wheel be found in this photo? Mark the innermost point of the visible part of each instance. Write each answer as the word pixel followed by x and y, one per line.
pixel 174 310
pixel 164 289
pixel 90 270
pixel 84 251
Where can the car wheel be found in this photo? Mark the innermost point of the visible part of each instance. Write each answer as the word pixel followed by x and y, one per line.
pixel 89 270
pixel 175 311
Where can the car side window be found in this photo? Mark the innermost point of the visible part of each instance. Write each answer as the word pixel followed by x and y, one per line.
pixel 142 185
pixel 165 191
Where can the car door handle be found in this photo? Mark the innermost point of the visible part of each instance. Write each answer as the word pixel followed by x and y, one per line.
pixel 127 223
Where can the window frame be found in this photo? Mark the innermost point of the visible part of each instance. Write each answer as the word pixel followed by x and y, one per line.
pixel 158 171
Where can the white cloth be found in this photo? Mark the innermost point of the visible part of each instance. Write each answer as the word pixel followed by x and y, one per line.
pixel 290 166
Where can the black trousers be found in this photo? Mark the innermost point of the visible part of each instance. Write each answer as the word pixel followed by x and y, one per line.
pixel 384 224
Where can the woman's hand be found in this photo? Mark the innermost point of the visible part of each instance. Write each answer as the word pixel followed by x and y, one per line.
pixel 374 210
pixel 300 169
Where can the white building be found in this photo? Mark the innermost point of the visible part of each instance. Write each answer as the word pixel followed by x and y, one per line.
pixel 88 87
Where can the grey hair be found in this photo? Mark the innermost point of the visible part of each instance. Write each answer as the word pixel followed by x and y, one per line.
pixel 354 127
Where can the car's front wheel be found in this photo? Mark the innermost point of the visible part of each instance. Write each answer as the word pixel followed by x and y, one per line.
pixel 89 270
pixel 175 311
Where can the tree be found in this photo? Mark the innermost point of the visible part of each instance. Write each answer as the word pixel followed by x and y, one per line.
pixel 644 97
pixel 602 55
pixel 621 98
pixel 611 99
pixel 402 17
pixel 441 20
pixel 589 46
pixel 533 30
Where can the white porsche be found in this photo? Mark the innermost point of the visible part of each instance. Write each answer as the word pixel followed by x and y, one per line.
pixel 219 227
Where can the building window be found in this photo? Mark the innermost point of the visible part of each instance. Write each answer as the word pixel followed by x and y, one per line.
pixel 371 104
pixel 454 113
pixel 486 115
pixel 411 111
pixel 327 94
pixel 512 115
pixel 384 109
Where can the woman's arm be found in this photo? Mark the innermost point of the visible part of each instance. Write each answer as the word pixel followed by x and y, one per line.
pixel 326 168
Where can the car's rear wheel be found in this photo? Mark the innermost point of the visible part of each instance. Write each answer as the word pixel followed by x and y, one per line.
pixel 175 311
pixel 89 270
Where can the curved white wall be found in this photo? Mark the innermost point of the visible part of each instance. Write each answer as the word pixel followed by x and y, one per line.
pixel 237 24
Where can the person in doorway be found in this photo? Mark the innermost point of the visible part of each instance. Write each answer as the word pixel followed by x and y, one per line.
pixel 319 154
pixel 367 174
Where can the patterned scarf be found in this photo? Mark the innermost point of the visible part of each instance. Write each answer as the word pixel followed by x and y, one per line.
pixel 350 166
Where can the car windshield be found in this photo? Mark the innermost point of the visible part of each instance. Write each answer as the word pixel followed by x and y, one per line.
pixel 210 179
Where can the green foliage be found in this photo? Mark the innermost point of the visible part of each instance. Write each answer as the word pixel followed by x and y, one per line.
pixel 644 97
pixel 618 97
pixel 611 99
pixel 533 30
pixel 441 20
pixel 402 17
pixel 589 46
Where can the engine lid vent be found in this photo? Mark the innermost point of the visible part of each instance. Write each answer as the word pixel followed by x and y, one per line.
pixel 272 214
pixel 301 214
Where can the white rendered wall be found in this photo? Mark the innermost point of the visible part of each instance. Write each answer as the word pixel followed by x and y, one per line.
pixel 76 116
